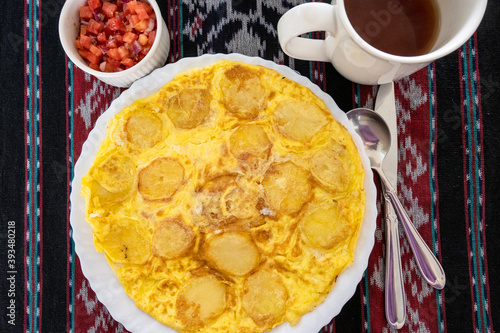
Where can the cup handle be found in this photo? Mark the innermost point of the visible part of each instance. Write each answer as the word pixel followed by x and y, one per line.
pixel 302 19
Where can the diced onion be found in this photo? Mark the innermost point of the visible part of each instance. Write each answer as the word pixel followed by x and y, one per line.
pixel 151 25
pixel 136 46
pixel 102 66
pixel 104 49
pixel 98 17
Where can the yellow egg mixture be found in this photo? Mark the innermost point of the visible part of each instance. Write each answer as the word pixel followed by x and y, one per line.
pixel 228 201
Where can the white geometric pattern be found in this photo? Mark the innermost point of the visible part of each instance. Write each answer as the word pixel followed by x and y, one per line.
pixel 246 40
pixel 102 318
pixel 93 99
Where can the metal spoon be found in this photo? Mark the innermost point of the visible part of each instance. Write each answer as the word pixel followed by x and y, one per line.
pixel 376 138
pixel 395 300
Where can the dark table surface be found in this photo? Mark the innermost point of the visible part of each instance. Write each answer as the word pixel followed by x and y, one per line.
pixel 448 125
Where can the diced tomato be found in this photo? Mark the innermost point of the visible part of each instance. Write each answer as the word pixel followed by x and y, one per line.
pixel 96 51
pixel 129 37
pixel 151 37
pixel 141 11
pixel 111 44
pixel 94 4
pixel 113 62
pixel 114 23
pixel 132 5
pixel 149 8
pixel 86 42
pixel 101 38
pixel 126 10
pixel 146 49
pixel 118 38
pixel 93 58
pixel 107 30
pixel 108 67
pixel 83 30
pixel 83 53
pixel 124 52
pixel 90 56
pixel 109 9
pixel 134 19
pixel 94 27
pixel 114 54
pixel 128 62
pixel 115 35
pixel 86 13
pixel 141 25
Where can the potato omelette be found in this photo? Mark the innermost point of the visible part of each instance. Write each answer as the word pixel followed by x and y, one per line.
pixel 228 201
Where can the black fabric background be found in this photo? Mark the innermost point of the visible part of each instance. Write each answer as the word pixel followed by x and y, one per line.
pixel 55 173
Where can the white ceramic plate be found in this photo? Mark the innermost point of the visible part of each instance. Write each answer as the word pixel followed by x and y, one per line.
pixel 101 277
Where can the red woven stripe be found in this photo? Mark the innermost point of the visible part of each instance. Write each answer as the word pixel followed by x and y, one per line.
pixel 90 314
pixel 175 28
pixel 424 301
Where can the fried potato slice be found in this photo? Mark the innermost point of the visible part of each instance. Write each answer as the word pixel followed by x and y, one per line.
pixel 144 129
pixel 325 227
pixel 172 238
pixel 124 240
pixel 102 197
pixel 286 187
pixel 201 300
pixel 329 169
pixel 233 253
pixel 161 178
pixel 249 140
pixel 244 94
pixel 189 108
pixel 116 173
pixel 299 120
pixel 264 298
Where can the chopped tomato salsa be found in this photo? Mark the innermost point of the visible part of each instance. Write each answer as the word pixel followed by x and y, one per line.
pixel 115 34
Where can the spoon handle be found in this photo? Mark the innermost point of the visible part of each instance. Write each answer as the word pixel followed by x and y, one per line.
pixel 395 303
pixel 429 266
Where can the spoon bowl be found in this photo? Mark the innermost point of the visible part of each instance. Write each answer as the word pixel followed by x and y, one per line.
pixel 374 133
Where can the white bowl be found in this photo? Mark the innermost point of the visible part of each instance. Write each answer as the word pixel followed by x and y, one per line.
pixel 69 28
pixel 99 273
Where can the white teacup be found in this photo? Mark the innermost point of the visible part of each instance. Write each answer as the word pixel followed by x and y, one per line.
pixel 357 60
